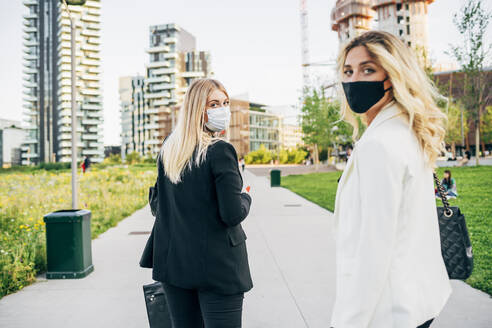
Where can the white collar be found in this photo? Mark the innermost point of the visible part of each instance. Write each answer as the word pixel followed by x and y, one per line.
pixel 390 110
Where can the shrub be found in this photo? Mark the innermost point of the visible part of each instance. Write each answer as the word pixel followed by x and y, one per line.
pixel 133 158
pixel 149 159
pixel 54 166
pixel 259 156
pixel 112 159
pixel 264 156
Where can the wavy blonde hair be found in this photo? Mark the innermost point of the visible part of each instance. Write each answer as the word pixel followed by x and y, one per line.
pixel 413 91
pixel 189 135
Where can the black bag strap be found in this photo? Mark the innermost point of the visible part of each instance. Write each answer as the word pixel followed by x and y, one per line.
pixel 448 212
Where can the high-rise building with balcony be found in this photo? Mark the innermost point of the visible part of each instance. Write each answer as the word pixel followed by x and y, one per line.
pixel 173 64
pixel 47 82
pixel 134 133
pixel 351 18
pixel 406 19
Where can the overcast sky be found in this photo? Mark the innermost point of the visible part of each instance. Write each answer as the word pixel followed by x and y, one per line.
pixel 254 44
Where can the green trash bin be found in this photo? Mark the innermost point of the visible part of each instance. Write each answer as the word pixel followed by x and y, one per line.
pixel 275 178
pixel 68 244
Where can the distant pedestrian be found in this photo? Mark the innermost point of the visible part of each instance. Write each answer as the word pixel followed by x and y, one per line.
pixel 87 163
pixel 243 164
pixel 449 185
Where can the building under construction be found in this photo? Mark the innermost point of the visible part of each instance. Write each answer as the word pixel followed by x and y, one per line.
pixel 406 19
pixel 351 18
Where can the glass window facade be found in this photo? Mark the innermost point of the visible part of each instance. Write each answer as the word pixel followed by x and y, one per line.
pixel 264 129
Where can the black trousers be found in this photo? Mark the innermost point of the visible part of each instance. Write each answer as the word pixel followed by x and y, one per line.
pixel 194 309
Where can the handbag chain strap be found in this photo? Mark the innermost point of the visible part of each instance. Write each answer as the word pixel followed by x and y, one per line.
pixel 447 210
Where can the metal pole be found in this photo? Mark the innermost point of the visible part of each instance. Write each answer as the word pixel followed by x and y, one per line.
pixel 74 109
pixel 74 116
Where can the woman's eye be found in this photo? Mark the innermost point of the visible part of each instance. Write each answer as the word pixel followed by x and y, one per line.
pixel 348 72
pixel 368 71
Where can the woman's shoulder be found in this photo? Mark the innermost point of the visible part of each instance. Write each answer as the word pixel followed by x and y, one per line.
pixel 220 146
pixel 222 150
pixel 375 150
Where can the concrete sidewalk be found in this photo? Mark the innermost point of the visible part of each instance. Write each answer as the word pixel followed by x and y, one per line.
pixel 291 253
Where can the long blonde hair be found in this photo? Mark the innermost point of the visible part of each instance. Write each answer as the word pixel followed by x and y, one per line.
pixel 189 135
pixel 413 91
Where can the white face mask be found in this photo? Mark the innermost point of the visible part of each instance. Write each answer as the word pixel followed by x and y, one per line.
pixel 218 118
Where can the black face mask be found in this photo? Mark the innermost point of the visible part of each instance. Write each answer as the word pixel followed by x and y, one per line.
pixel 362 95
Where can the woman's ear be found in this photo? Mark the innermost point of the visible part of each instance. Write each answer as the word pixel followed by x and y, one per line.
pixel 387 83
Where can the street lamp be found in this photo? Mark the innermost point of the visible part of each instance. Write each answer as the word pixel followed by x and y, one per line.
pixel 73 96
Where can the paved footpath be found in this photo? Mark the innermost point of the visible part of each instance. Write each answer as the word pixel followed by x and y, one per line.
pixel 291 253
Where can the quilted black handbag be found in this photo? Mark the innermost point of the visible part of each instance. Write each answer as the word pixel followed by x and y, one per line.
pixel 455 242
pixel 157 310
pixel 155 298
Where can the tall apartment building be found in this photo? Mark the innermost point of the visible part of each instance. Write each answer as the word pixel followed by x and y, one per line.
pixel 47 83
pixel 406 19
pixel 350 18
pixel 134 133
pixel 173 64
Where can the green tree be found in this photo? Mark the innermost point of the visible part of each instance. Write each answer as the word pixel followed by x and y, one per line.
pixel 453 126
pixel 321 123
pixel 472 21
pixel 487 125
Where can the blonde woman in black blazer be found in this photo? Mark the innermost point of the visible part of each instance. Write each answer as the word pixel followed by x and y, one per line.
pixel 199 245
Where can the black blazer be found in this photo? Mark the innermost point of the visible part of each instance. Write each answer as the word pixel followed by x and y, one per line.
pixel 197 241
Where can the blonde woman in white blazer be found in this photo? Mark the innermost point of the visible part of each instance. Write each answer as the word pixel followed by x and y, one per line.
pixel 390 272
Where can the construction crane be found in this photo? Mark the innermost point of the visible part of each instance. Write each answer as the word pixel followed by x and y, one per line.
pixel 306 76
pixel 304 46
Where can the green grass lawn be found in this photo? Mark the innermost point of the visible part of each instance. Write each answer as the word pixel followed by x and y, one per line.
pixel 111 193
pixel 475 201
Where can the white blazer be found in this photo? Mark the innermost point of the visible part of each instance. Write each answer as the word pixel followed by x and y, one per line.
pixel 390 271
